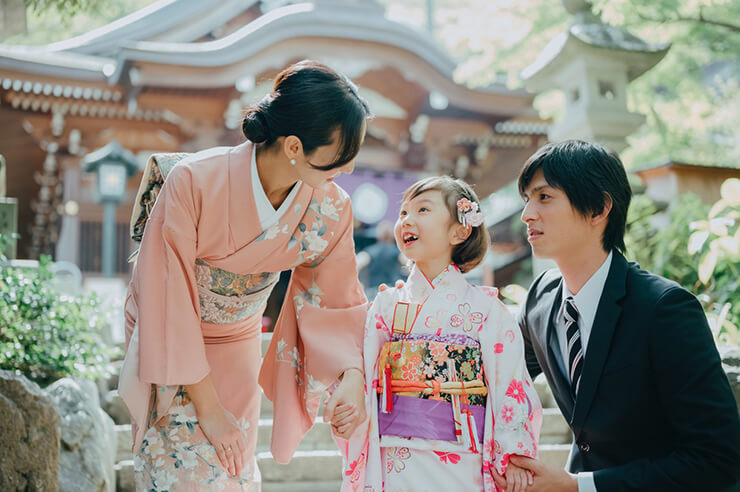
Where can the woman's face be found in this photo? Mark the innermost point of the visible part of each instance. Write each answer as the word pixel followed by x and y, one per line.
pixel 322 156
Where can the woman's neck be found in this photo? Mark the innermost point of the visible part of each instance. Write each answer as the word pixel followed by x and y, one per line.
pixel 276 175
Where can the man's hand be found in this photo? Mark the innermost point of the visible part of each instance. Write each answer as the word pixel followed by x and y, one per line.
pixel 346 407
pixel 546 478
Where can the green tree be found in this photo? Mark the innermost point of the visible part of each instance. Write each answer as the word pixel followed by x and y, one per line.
pixel 691 98
pixel 56 20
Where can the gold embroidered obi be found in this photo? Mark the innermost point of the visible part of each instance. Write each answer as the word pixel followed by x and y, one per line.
pixel 227 297
pixel 420 367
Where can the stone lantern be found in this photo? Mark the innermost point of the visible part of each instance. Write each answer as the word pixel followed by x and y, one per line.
pixel 113 166
pixel 593 63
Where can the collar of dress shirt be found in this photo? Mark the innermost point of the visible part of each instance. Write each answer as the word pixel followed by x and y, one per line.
pixel 587 299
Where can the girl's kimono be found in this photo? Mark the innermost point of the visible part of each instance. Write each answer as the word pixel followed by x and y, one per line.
pixel 449 396
pixel 194 307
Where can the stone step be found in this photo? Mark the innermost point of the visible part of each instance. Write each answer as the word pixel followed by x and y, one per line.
pixel 125 476
pixel 555 430
pixel 331 486
pixel 317 438
pixel 316 471
pixel 125 443
pixel 316 466
pixel 554 454
pixel 306 466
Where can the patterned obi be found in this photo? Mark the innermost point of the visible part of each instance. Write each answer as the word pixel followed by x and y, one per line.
pixel 420 364
pixel 424 395
pixel 227 297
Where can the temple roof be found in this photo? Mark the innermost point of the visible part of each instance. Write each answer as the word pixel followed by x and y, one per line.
pixel 193 44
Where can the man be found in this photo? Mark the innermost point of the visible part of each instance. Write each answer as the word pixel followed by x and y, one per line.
pixel 628 354
pixel 382 260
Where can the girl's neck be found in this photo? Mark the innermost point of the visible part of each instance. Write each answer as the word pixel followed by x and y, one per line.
pixel 276 175
pixel 431 269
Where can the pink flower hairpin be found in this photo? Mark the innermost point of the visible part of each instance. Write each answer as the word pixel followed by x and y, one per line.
pixel 468 214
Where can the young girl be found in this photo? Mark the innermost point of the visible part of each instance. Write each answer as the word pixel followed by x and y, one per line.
pixel 448 393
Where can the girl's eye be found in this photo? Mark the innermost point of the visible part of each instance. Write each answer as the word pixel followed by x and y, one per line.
pixel 423 209
pixel 402 213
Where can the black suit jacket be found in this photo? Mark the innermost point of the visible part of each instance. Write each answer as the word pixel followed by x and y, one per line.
pixel 654 410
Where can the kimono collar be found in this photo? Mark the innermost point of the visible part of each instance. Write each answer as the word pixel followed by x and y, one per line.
pixel 420 287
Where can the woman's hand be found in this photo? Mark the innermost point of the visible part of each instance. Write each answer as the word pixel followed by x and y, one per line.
pixel 346 407
pixel 222 430
pixel 219 426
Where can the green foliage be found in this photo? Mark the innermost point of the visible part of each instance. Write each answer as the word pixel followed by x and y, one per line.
pixel 691 98
pixel 56 20
pixel 45 335
pixel 715 242
pixel 696 247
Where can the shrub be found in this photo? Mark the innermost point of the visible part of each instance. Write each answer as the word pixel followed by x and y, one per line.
pixel 46 335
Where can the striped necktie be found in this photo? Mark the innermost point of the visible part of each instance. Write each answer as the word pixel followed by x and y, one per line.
pixel 575 348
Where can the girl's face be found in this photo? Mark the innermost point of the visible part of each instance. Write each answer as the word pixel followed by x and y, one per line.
pixel 425 232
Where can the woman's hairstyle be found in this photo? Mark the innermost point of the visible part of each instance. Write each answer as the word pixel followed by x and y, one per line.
pixel 468 254
pixel 311 101
pixel 587 173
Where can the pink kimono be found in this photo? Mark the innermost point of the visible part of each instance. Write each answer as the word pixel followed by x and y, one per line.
pixel 449 396
pixel 195 304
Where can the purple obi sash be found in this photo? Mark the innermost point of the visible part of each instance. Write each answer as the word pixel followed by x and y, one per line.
pixel 427 419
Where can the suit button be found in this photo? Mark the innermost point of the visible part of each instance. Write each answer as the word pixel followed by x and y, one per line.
pixel 585 447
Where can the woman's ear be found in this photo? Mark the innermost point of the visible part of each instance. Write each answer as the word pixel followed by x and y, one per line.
pixel 460 233
pixel 293 147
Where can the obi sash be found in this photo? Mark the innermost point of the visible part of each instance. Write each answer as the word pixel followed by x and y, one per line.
pixel 428 384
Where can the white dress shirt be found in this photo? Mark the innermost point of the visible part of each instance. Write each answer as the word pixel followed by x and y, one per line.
pixel 265 211
pixel 587 302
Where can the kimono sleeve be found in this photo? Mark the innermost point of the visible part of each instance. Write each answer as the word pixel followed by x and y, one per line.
pixel 330 307
pixel 318 334
pixel 513 409
pixel 170 337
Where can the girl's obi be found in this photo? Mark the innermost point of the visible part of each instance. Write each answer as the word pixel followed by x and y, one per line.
pixel 432 389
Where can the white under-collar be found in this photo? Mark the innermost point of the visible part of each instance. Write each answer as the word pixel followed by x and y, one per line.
pixel 267 214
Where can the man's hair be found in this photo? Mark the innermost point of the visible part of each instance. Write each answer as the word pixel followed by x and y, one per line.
pixel 586 172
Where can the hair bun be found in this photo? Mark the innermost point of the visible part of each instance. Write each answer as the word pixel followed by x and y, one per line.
pixel 254 126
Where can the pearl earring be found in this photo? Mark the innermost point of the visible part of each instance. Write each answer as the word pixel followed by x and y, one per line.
pixel 292 162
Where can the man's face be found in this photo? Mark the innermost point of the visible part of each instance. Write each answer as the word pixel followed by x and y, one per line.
pixel 555 229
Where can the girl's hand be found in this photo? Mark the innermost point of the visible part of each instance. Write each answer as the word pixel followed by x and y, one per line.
pixel 344 416
pixel 517 479
pixel 346 407
pixel 222 430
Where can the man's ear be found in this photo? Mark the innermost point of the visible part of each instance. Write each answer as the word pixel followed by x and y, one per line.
pixel 460 233
pixel 604 215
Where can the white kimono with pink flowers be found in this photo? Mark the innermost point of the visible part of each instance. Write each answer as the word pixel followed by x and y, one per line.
pixel 433 333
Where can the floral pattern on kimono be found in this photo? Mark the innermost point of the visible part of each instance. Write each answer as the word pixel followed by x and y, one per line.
pixel 513 414
pixel 174 450
pixel 195 303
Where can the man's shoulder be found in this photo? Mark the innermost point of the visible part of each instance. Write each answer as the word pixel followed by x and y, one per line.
pixel 648 286
pixel 545 282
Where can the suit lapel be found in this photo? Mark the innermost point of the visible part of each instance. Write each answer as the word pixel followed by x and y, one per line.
pixel 561 391
pixel 602 332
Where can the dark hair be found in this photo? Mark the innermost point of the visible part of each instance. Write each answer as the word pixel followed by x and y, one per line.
pixel 468 254
pixel 586 172
pixel 310 100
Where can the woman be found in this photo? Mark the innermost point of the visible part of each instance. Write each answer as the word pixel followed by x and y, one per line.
pixel 225 223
